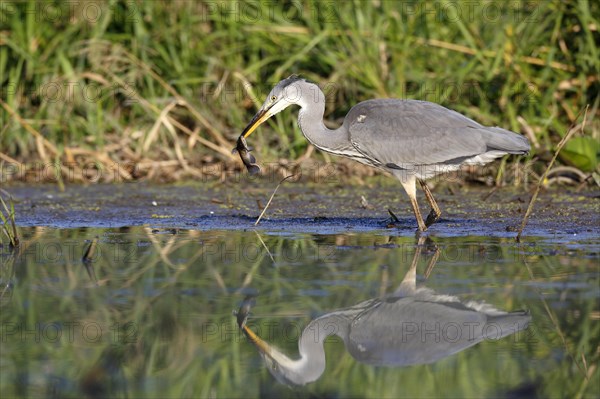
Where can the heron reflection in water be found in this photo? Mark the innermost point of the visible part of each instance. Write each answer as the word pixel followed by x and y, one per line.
pixel 409 327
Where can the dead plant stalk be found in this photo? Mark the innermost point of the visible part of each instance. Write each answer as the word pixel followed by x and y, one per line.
pixel 561 144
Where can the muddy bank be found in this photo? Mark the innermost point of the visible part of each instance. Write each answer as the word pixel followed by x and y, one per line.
pixel 302 207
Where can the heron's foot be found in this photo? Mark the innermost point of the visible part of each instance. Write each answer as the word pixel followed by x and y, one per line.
pixel 432 217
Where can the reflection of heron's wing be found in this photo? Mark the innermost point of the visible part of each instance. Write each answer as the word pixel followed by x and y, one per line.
pixel 414 331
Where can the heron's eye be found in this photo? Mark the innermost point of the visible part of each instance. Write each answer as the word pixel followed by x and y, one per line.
pixel 273 98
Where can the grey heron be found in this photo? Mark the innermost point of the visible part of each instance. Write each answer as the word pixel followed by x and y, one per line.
pixel 411 326
pixel 413 140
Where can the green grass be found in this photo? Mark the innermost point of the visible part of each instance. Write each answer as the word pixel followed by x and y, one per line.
pixel 91 87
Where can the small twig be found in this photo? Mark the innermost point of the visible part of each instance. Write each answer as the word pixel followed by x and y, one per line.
pixel 364 203
pixel 270 199
pixel 562 143
pixel 583 183
pixel 394 217
pixel 90 251
pixel 555 323
pixel 488 195
pixel 219 279
pixel 265 246
pixel 87 260
pixel 9 195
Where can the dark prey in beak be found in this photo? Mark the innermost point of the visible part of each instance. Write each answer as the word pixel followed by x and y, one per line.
pixel 243 312
pixel 247 158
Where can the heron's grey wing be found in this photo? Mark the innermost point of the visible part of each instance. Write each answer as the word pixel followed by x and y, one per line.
pixel 410 331
pixel 397 132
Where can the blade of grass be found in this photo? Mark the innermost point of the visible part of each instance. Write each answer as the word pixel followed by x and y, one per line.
pixel 29 128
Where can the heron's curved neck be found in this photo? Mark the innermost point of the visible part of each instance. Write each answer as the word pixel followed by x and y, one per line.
pixel 311 364
pixel 310 120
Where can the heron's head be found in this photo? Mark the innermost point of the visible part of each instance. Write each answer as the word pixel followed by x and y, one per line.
pixel 284 369
pixel 284 94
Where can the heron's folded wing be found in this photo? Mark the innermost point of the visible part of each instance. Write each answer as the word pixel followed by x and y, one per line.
pixel 408 132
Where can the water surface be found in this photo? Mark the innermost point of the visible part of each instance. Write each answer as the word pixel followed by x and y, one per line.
pixel 151 315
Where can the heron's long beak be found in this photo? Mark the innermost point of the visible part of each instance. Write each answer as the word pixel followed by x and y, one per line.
pixel 258 119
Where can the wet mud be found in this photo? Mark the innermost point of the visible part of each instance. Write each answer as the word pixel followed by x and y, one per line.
pixel 311 208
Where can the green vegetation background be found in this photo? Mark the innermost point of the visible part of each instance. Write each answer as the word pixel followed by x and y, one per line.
pixel 133 83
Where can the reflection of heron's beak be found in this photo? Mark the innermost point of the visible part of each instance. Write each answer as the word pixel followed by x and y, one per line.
pixel 263 347
pixel 242 316
pixel 258 119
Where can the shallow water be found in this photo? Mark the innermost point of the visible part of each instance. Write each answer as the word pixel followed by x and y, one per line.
pixel 151 314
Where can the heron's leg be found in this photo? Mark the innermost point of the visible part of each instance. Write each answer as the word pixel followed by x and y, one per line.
pixel 385 278
pixel 429 244
pixel 408 286
pixel 410 187
pixel 435 213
